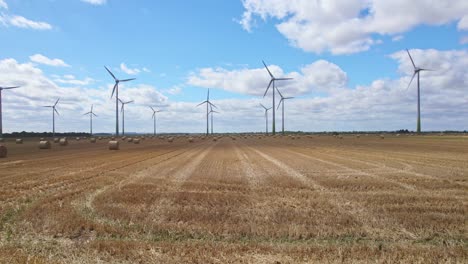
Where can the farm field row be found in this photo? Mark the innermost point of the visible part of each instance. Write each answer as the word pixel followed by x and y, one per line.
pixel 251 200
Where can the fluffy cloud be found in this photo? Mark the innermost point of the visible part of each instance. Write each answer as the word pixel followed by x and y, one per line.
pixel 350 26
pixel 22 22
pixel 95 2
pixel 131 71
pixel 71 80
pixel 41 59
pixel 3 4
pixel 320 75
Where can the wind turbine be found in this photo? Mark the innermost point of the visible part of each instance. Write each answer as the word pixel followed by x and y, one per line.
pixel 272 81
pixel 54 110
pixel 116 90
pixel 154 118
pixel 1 123
pixel 266 116
pixel 91 114
pixel 208 103
pixel 281 102
pixel 417 70
pixel 123 114
pixel 212 112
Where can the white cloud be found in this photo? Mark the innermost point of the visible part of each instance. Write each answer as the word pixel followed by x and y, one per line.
pixel 95 2
pixel 464 40
pixel 350 26
pixel 320 75
pixel 39 58
pixel 3 4
pixel 176 90
pixel 70 79
pixel 463 23
pixel 130 71
pixel 397 38
pixel 22 22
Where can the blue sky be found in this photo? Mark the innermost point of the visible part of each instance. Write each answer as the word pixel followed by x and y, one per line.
pixel 346 58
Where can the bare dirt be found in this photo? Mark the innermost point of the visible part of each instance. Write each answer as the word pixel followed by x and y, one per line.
pixel 316 199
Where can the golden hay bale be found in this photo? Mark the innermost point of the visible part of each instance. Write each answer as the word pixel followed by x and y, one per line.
pixel 130 140
pixel 78 138
pixel 63 142
pixel 19 141
pixel 3 151
pixel 190 140
pixel 44 144
pixel 136 141
pixel 56 140
pixel 397 135
pixel 358 136
pixel 170 140
pixel 382 136
pixel 92 140
pixel 113 145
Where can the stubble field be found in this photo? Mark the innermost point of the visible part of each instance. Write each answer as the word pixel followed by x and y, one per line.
pixel 250 200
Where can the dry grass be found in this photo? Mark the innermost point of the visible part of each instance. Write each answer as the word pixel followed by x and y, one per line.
pixel 274 200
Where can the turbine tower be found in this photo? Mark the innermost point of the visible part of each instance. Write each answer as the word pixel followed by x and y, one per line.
pixel 266 117
pixel 281 103
pixel 154 119
pixel 54 110
pixel 272 81
pixel 208 103
pixel 116 90
pixel 417 70
pixel 212 112
pixel 123 114
pixel 91 114
pixel 1 123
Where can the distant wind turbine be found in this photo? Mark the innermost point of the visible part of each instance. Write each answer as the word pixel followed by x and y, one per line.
pixel 54 110
pixel 123 114
pixel 91 114
pixel 272 81
pixel 417 70
pixel 266 117
pixel 212 112
pixel 1 123
pixel 208 103
pixel 281 103
pixel 154 119
pixel 116 90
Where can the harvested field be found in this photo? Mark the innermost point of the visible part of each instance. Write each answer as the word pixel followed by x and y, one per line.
pixel 249 200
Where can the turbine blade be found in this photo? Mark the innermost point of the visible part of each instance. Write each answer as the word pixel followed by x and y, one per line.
pixel 283 79
pixel 48 106
pixel 94 114
pixel 281 95
pixel 279 104
pixel 426 70
pixel 152 108
pixel 57 102
pixel 411 80
pixel 129 102
pixel 272 80
pixel 269 72
pixel 127 80
pixel 113 90
pixel 8 88
pixel 263 106
pixel 212 104
pixel 113 76
pixel 411 58
pixel 204 102
pixel 87 113
pixel 120 101
pixel 56 111
pixel 288 98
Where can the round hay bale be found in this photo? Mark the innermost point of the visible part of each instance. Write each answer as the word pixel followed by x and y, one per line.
pixel 99 138
pixel 136 141
pixel 19 141
pixel 215 139
pixel 78 138
pixel 397 135
pixel 190 140
pixel 130 140
pixel 56 140
pixel 44 144
pixel 2 140
pixel 3 151
pixel 92 140
pixel 358 136
pixel 112 138
pixel 170 140
pixel 382 137
pixel 113 145
pixel 124 138
pixel 63 142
